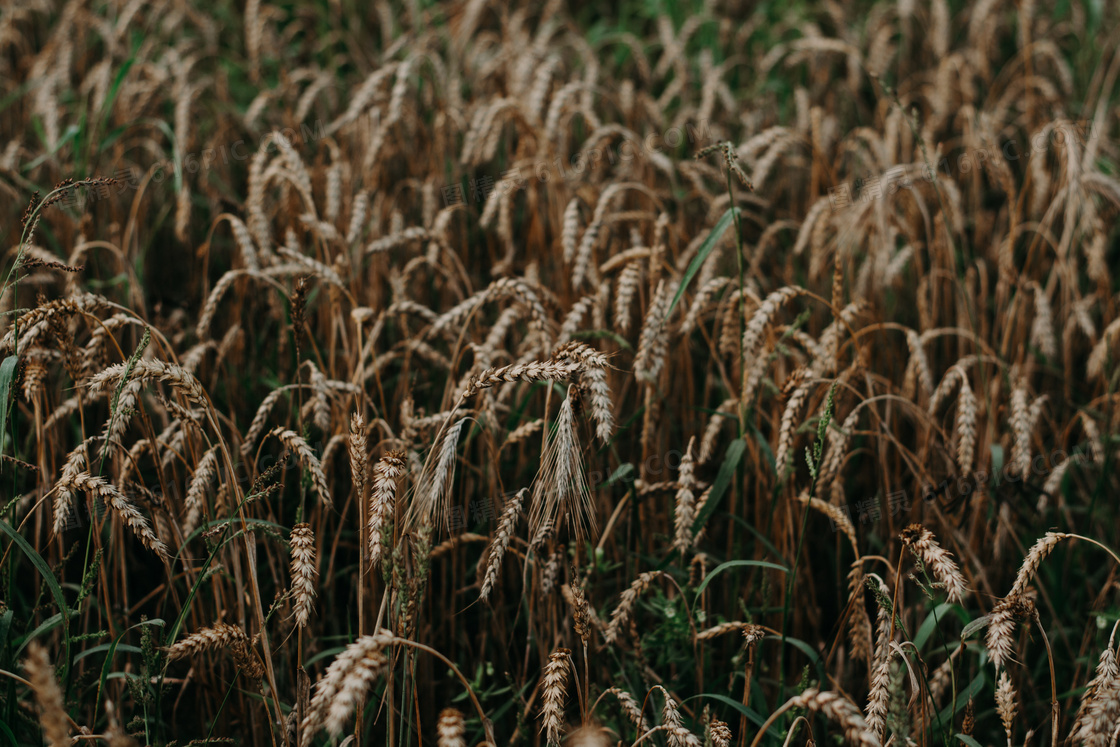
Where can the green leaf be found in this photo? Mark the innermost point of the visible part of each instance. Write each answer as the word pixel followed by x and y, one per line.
pixel 40 565
pixel 50 623
pixel 7 377
pixel 977 624
pixel 105 673
pixel 620 474
pixel 8 733
pixel 934 620
pixel 750 713
pixel 70 133
pixel 972 690
pixel 738 564
pixel 705 249
pixel 968 740
pixel 723 479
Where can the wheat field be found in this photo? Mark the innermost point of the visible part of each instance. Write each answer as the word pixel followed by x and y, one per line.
pixel 460 373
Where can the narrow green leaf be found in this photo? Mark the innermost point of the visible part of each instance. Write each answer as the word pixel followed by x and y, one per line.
pixel 968 740
pixel 40 565
pixel 750 713
pixel 934 620
pixel 705 249
pixel 723 479
pixel 971 691
pixel 7 377
pixel 738 564
pixel 978 624
pixel 49 624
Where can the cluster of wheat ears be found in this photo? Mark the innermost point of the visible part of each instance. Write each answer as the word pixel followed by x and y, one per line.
pixel 461 373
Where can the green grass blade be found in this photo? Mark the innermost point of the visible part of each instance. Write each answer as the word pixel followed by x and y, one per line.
pixel 723 479
pixel 737 564
pixel 7 376
pixel 701 255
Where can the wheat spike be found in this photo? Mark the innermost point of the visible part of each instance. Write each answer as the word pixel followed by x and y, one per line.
pixel 555 689
pixel 921 542
pixel 560 492
pixel 52 712
pixel 622 613
pixel 307 458
pixel 685 510
pixel 343 684
pixel 450 729
pixel 840 711
pixel 1005 704
pixel 501 541
pixel 302 541
pixel 382 502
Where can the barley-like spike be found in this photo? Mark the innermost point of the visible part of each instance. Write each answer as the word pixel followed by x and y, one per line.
pixel 344 684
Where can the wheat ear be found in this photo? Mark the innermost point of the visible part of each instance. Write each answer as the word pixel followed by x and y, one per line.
pixel 450 729
pixel 921 542
pixel 344 684
pixel 52 712
pixel 302 541
pixel 555 687
pixel 382 501
pixel 501 541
